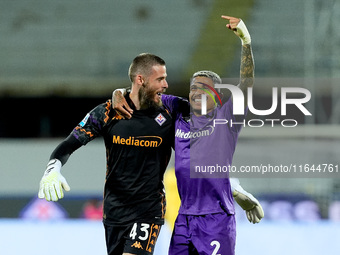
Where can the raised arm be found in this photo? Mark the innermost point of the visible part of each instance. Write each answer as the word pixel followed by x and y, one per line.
pixel 247 61
pixel 247 68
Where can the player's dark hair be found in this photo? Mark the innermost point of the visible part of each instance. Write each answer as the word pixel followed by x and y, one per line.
pixel 209 74
pixel 143 63
pixel 216 79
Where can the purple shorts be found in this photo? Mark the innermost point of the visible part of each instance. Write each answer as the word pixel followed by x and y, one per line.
pixel 204 234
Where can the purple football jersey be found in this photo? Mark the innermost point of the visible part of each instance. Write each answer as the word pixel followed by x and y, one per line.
pixel 202 149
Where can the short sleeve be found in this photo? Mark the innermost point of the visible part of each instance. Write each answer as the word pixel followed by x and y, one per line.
pixel 93 123
pixel 176 105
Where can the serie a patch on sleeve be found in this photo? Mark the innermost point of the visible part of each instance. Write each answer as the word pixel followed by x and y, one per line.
pixel 83 122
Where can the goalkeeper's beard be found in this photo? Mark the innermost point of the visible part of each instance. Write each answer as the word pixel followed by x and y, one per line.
pixel 146 98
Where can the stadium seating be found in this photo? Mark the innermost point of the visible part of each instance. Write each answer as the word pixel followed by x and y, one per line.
pixel 67 40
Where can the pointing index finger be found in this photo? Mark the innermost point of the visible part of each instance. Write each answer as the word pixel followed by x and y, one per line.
pixel 226 17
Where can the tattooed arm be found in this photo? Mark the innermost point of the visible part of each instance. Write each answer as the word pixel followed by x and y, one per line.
pixel 247 69
pixel 247 61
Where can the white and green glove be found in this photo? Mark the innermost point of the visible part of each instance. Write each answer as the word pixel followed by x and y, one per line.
pixel 53 183
pixel 242 32
pixel 239 28
pixel 247 201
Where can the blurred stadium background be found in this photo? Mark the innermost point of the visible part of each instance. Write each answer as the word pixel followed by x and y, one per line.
pixel 59 59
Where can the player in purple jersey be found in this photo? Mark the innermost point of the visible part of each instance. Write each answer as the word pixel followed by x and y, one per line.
pixel 206 223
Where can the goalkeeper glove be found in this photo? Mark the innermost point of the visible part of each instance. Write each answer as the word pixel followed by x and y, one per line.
pixel 247 201
pixel 53 183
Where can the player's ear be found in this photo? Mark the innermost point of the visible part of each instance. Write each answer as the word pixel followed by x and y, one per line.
pixel 139 80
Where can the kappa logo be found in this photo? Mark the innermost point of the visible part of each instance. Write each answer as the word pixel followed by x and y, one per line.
pixel 160 119
pixel 137 245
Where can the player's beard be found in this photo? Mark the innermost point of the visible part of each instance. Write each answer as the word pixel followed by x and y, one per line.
pixel 147 98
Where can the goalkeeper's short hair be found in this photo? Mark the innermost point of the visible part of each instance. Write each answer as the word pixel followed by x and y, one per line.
pixel 143 63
